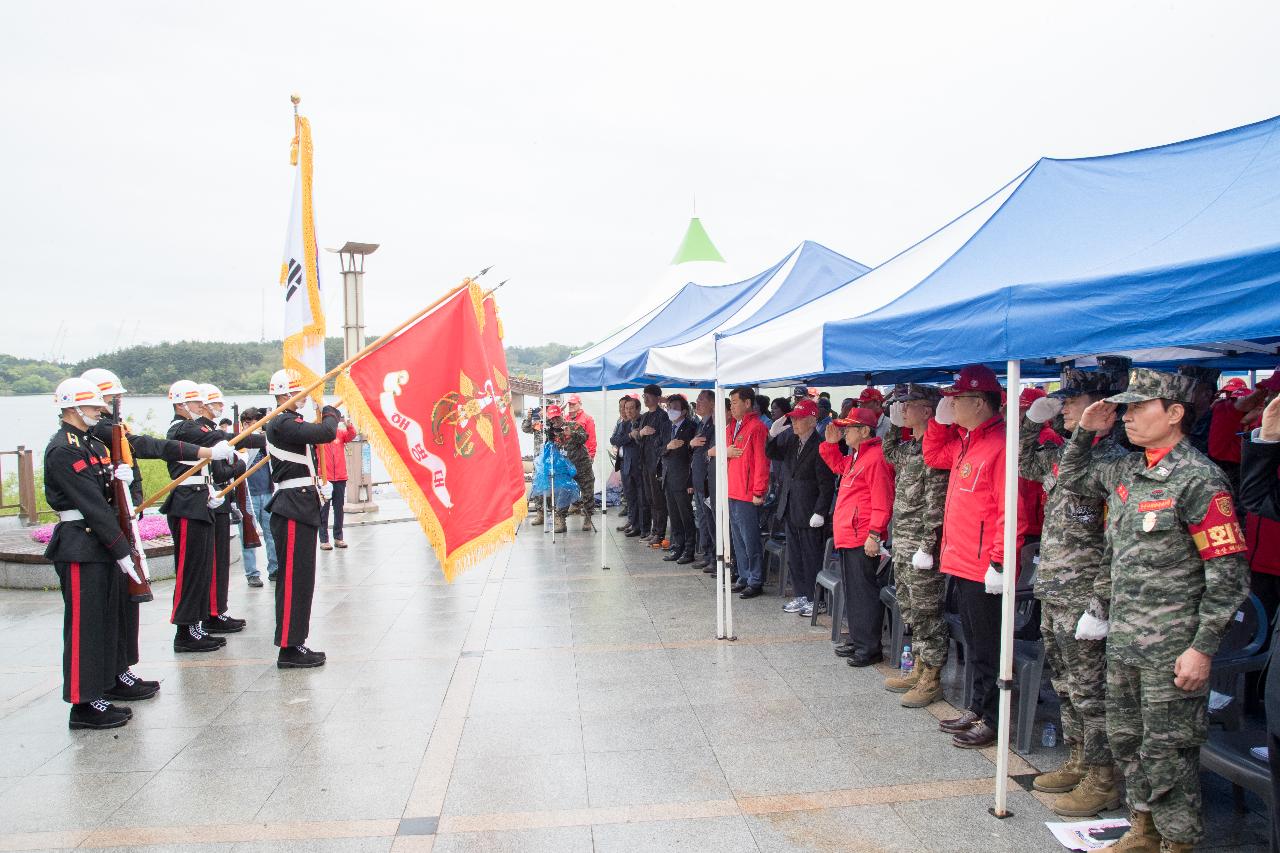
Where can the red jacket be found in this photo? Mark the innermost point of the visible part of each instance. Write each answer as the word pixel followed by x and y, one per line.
pixel 335 454
pixel 1224 424
pixel 865 500
pixel 1263 536
pixel 749 473
pixel 589 424
pixel 973 521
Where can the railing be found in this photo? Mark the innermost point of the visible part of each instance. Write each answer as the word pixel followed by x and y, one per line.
pixel 26 504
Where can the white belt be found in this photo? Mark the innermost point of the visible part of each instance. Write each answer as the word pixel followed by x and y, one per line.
pixel 196 480
pixel 295 483
pixel 70 515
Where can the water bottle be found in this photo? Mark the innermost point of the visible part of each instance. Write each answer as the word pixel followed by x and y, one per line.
pixel 1049 736
pixel 907 663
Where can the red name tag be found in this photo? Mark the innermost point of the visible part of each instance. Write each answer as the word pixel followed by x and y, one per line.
pixel 79 465
pixel 1155 506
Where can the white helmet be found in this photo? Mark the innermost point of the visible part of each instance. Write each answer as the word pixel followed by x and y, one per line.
pixel 76 392
pixel 212 393
pixel 284 381
pixel 185 391
pixel 107 382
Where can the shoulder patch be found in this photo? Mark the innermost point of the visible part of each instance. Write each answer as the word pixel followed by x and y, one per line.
pixel 73 439
pixel 1219 534
pixel 79 465
pixel 1123 493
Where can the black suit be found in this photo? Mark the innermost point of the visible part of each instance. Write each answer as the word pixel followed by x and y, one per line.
pixel 632 470
pixel 677 479
pixel 804 489
pixel 702 468
pixel 652 447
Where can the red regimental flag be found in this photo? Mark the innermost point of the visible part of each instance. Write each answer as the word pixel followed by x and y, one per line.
pixel 435 404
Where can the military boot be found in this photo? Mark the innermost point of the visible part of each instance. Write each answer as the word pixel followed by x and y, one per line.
pixel 1141 837
pixel 560 526
pixel 587 525
pixel 539 518
pixel 1098 791
pixel 903 683
pixel 927 689
pixel 1065 777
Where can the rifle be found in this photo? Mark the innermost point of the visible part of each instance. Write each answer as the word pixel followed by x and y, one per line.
pixel 250 535
pixel 122 454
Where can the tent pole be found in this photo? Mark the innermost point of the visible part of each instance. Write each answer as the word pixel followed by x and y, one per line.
pixel 542 409
pixel 1013 378
pixel 717 412
pixel 604 478
pixel 545 421
pixel 722 486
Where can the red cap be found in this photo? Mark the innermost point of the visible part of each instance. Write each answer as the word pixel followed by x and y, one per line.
pixel 858 417
pixel 870 395
pixel 1238 393
pixel 1029 396
pixel 1272 382
pixel 554 411
pixel 575 399
pixel 806 408
pixel 1235 383
pixel 975 377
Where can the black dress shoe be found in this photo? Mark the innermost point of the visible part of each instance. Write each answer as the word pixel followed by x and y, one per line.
pixel 632 534
pixel 684 561
pixel 864 660
pixel 671 557
pixel 625 528
pixel 847 650
pixel 701 563
pixel 708 569
pixel 299 657
pixel 752 592
pixel 98 714
pixel 130 688
pixel 255 581
pixel 223 624
pixel 977 737
pixel 190 638
pixel 739 586
pixel 962 723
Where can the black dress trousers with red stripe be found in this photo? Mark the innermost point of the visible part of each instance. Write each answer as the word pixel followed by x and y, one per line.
pixel 94 596
pixel 221 564
pixel 193 560
pixel 295 579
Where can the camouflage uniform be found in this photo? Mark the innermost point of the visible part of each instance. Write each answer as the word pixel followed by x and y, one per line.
pixel 919 495
pixel 1176 576
pixel 536 505
pixel 571 439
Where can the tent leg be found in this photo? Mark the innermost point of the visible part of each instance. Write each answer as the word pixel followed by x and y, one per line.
pixel 716 412
pixel 1013 379
pixel 604 478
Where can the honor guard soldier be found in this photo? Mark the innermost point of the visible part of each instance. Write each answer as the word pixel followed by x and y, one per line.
pixel 190 511
pixel 295 517
pixel 91 555
pixel 1176 577
pixel 128 685
pixel 220 475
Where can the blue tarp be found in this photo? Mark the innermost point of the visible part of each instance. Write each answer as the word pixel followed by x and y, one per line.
pixel 1169 246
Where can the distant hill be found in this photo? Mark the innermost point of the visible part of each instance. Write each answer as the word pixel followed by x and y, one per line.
pixel 231 366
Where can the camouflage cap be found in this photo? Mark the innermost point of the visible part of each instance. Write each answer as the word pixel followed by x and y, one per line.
pixel 1207 375
pixel 1148 384
pixel 1110 377
pixel 906 391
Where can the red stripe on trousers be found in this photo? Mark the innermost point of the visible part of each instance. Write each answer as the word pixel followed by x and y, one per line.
pixel 213 576
pixel 75 634
pixel 182 561
pixel 288 585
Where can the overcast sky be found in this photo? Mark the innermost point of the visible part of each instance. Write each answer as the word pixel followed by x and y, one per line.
pixel 145 145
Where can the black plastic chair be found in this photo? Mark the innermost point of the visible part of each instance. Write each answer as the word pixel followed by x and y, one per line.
pixel 1239 654
pixel 828 587
pixel 775 555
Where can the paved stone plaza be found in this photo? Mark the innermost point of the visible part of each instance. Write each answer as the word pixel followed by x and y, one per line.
pixel 538 704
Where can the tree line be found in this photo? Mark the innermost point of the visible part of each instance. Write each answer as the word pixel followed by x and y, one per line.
pixel 241 366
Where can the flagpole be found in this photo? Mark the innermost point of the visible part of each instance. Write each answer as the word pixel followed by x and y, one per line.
pixel 305 392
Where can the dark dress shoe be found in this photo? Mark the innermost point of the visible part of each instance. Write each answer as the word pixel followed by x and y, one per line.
pixel 708 569
pixel 223 624
pixel 671 557
pixel 625 528
pixel 98 714
pixel 299 657
pixel 684 561
pixel 752 592
pixel 975 738
pixel 739 586
pixel 962 723
pixel 701 563
pixel 632 534
pixel 130 688
pixel 864 660
pixel 255 581
pixel 846 650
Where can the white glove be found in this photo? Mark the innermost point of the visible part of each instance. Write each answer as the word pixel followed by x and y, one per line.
pixel 1044 409
pixel 898 414
pixel 126 566
pixel 124 473
pixel 215 501
pixel 922 560
pixel 778 426
pixel 222 452
pixel 994 581
pixel 816 520
pixel 326 492
pixel 946 412
pixel 1090 627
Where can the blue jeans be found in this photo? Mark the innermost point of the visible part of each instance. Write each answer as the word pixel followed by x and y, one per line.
pixel 744 532
pixel 256 505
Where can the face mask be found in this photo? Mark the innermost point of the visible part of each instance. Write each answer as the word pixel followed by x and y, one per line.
pixel 90 421
pixel 674 414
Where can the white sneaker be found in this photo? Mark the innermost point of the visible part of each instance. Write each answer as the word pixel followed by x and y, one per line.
pixel 793 606
pixel 807 610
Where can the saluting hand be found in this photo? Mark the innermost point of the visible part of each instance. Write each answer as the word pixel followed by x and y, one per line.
pixel 1270 430
pixel 832 433
pixel 1099 417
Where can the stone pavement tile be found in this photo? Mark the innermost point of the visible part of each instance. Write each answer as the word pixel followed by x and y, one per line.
pixel 22 752
pixel 703 835
pixel 424 673
pixel 128 749
pixel 260 744
pixel 209 796
pixel 417 702
pixel 335 674
pixel 547 637
pixel 880 711
pixel 567 839
pixel 366 742
pixel 831 677
pixel 542 617
pixel 505 667
pixel 899 758
pixel 45 713
pixel 180 710
pixel 654 776
pixel 962 824
pixel 670 728
pixel 187 847
pixel 486 784
pixel 759 768
pixel 70 801
pixel 296 707
pixel 759 720
pixel 216 679
pixel 619 695
pixel 535 733
pixel 318 845
pixel 521 697
pixel 614 633
pixel 340 792
pixel 738 687
pixel 642 663
pixel 855 829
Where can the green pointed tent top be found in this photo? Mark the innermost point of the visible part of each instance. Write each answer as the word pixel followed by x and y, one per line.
pixel 696 245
